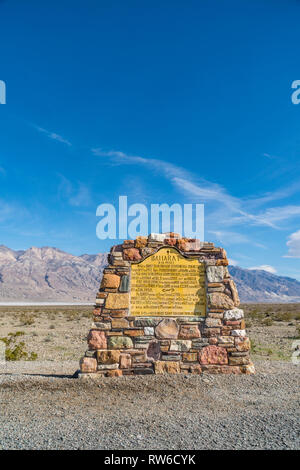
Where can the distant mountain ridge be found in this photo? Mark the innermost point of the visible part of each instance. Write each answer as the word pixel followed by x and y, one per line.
pixel 50 275
pixel 261 286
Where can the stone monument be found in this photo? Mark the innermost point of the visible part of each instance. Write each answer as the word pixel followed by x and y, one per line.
pixel 166 304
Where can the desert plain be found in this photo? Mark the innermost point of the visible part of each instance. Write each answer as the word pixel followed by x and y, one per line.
pixel 45 406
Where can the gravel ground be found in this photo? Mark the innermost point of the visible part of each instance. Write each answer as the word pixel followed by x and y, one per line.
pixel 149 412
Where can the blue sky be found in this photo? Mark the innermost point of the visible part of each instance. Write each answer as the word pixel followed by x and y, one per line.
pixel 163 101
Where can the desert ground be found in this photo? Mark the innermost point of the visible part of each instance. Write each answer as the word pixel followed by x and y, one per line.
pixel 44 406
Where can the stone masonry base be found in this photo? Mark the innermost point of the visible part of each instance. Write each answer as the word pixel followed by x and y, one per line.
pixel 121 344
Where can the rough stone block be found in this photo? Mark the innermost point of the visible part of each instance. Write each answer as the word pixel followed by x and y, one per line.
pixel 149 331
pixel 234 314
pixel 235 295
pixel 157 237
pixel 213 322
pixel 219 300
pixel 215 274
pixel 162 367
pixel 117 301
pixel 141 242
pixel 146 322
pixel 195 369
pixel 119 342
pixel 238 333
pixel 215 369
pixel 171 241
pixel 111 281
pixel 97 339
pixel 132 254
pixel 134 333
pixel 88 364
pixel 125 361
pixel 189 357
pixel 213 355
pixel 209 332
pixel 108 356
pixel 167 328
pixel 183 345
pixel 101 325
pixel 238 361
pixel 242 343
pixel 119 323
pixel 124 285
pixel 154 350
pixel 189 332
pixel 226 339
pixel 107 366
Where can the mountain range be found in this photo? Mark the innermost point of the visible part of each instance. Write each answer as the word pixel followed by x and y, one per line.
pixel 50 275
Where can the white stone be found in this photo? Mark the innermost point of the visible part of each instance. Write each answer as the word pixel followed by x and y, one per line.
pixel 183 345
pixel 107 366
pixel 226 339
pixel 99 301
pixel 149 331
pixel 215 273
pixel 101 326
pixel 234 314
pixel 157 237
pixel 238 333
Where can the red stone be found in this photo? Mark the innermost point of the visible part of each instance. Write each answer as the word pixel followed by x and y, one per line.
pixel 232 322
pixel 171 241
pixel 213 341
pixel 213 355
pixel 132 254
pixel 189 332
pixel 209 332
pixel 97 340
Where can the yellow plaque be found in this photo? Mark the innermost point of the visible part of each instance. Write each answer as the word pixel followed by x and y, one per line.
pixel 167 284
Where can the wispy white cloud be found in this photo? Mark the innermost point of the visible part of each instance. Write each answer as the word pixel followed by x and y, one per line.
pixel 227 209
pixel 53 136
pixel 264 267
pixel 6 210
pixel 228 238
pixel 168 170
pixel 293 245
pixel 277 195
pixel 11 211
pixel 82 196
pixel 76 194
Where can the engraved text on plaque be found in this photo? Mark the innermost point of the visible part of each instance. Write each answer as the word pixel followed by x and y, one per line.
pixel 167 284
